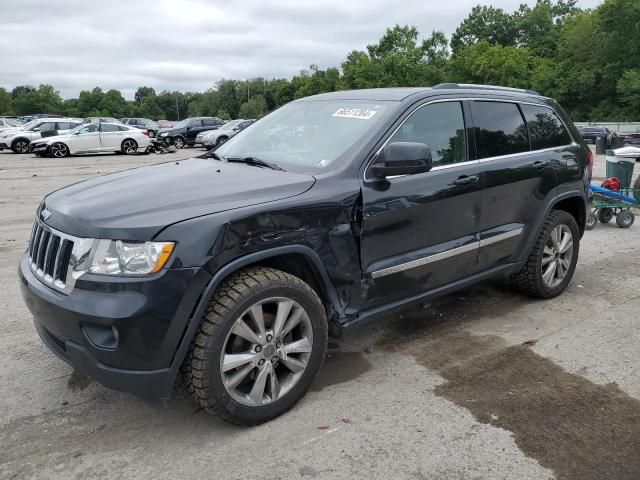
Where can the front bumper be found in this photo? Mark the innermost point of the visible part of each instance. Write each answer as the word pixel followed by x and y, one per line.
pixel 38 147
pixel 4 146
pixel 149 315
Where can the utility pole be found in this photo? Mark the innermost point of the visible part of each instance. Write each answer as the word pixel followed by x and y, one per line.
pixel 177 109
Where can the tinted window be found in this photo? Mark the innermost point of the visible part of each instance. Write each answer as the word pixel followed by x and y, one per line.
pixel 244 125
pixel 66 125
pixel 47 126
pixel 108 127
pixel 122 128
pixel 210 122
pixel 440 126
pixel 545 128
pixel 195 123
pixel 499 128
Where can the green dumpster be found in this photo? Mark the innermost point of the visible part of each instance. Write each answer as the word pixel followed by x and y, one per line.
pixel 621 168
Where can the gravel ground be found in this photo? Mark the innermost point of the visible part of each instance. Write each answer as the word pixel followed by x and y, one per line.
pixel 481 384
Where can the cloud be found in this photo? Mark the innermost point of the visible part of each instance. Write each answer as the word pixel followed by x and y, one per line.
pixel 190 44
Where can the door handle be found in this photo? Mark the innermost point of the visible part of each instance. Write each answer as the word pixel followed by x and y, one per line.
pixel 465 180
pixel 539 164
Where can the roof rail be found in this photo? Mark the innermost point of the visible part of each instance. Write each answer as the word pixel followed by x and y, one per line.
pixel 484 87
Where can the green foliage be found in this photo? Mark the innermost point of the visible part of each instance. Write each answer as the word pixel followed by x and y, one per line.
pixel 588 60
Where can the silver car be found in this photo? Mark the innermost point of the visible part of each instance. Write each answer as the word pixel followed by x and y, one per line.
pixel 213 138
pixel 18 139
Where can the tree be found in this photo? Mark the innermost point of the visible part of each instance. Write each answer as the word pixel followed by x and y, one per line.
pixel 489 24
pixel 6 102
pixel 144 92
pixel 629 89
pixel 256 107
pixel 44 99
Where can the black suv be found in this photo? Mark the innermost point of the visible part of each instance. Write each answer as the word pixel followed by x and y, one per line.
pixel 590 134
pixel 185 132
pixel 232 267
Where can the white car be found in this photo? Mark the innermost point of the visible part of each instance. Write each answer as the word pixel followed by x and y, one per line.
pixel 94 138
pixel 6 123
pixel 18 139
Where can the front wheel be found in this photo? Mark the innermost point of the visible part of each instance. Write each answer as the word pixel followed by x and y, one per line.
pixel 221 140
pixel 260 346
pixel 58 150
pixel 553 259
pixel 129 146
pixel 20 146
pixel 625 219
pixel 178 142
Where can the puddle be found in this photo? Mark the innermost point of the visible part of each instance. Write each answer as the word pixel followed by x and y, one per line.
pixel 579 429
pixel 340 367
pixel 78 381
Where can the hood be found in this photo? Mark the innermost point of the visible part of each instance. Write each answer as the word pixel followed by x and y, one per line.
pixel 9 132
pixel 136 204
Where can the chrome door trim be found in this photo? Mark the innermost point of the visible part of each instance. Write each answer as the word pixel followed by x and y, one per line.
pixel 446 254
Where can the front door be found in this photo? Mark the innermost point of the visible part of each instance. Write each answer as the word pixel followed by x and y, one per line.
pixel 87 139
pixel 420 232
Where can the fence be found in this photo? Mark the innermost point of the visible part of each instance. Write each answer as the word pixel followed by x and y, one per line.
pixel 618 127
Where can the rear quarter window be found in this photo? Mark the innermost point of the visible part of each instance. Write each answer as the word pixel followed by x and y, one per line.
pixel 499 129
pixel 546 130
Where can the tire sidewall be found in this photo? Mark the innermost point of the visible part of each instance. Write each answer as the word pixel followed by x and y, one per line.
pixel 129 140
pixel 568 220
pixel 309 301
pixel 179 139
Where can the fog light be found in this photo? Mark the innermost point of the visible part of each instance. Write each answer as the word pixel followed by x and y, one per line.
pixel 101 336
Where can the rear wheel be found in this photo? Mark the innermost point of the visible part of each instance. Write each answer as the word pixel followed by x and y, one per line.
pixel 20 145
pixel 178 142
pixel 129 146
pixel 259 348
pixel 553 259
pixel 605 215
pixel 221 140
pixel 625 218
pixel 58 150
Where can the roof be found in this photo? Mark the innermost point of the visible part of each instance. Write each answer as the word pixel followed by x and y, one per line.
pixel 400 93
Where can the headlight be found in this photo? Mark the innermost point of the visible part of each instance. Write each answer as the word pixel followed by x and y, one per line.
pixel 164 134
pixel 117 257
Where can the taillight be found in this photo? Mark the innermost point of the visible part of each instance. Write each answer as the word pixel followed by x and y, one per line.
pixel 145 132
pixel 589 167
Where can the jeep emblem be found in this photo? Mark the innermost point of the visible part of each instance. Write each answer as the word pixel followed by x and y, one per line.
pixel 45 214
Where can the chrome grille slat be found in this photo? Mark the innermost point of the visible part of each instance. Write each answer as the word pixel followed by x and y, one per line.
pixel 50 256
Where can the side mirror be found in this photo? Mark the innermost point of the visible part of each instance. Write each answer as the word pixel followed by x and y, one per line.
pixel 35 129
pixel 402 158
pixel 235 129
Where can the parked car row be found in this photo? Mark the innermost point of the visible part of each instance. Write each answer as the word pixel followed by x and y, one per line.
pixel 213 138
pixel 19 138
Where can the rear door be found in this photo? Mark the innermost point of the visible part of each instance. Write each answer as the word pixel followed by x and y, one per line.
pixel 420 231
pixel 518 182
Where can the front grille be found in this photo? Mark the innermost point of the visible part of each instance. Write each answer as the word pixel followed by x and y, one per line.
pixel 50 255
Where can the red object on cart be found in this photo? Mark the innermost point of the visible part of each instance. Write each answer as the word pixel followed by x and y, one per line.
pixel 612 184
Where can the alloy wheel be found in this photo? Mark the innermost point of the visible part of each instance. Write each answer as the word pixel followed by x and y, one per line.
pixel 59 150
pixel 557 256
pixel 267 351
pixel 129 147
pixel 22 146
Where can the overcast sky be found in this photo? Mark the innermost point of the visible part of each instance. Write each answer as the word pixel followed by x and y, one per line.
pixel 190 44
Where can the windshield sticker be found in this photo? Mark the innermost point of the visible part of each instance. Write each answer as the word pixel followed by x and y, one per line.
pixel 359 113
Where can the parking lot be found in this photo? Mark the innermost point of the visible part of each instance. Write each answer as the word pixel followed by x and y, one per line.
pixel 481 384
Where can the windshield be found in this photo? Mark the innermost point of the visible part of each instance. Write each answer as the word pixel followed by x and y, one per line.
pixel 229 125
pixel 309 135
pixel 182 123
pixel 13 122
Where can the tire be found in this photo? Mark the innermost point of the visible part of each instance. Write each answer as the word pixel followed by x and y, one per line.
pixel 58 150
pixel 151 133
pixel 179 142
pixel 625 218
pixel 129 146
pixel 592 221
pixel 538 277
pixel 269 360
pixel 605 215
pixel 221 140
pixel 20 145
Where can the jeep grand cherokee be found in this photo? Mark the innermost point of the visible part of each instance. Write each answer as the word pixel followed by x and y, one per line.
pixel 232 268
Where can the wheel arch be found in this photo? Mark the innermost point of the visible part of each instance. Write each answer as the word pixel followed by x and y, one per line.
pixel 17 139
pixel 298 260
pixel 576 206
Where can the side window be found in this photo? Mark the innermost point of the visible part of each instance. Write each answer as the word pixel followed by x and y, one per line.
pixel 64 126
pixel 91 128
pixel 47 126
pixel 440 126
pixel 122 128
pixel 546 130
pixel 500 129
pixel 195 123
pixel 210 122
pixel 109 127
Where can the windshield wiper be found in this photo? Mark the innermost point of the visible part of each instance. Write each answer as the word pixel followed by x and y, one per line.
pixel 255 161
